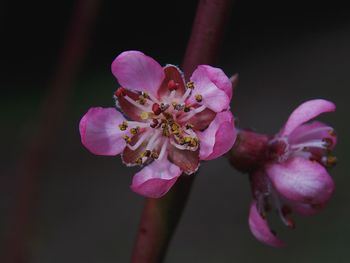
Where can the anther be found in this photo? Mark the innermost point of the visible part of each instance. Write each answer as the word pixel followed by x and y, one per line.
pixel 139 161
pixel 120 92
pixel 189 126
pixel 199 98
pixel 156 109
pixel 330 161
pixel 164 107
pixel 141 100
pixel 123 126
pixel 144 115
pixel 145 95
pixel 328 142
pixel 190 85
pixel 172 85
pixel 187 109
pixel 146 153
pixel 135 130
pixel 127 139
pixel 154 123
pixel 332 133
pixel 154 155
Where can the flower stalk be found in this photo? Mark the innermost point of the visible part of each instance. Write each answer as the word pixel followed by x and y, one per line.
pixel 161 216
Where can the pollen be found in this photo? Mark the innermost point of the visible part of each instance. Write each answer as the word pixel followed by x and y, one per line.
pixel 190 85
pixel 135 130
pixel 127 139
pixel 144 115
pixel 123 126
pixel 199 98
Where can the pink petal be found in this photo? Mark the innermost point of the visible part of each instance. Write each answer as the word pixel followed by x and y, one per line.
pixel 301 180
pixel 128 108
pixel 305 112
pixel 213 97
pixel 100 133
pixel 218 138
pixel 201 120
pixel 219 78
pixel 187 160
pixel 172 73
pixel 313 131
pixel 136 71
pixel 155 179
pixel 260 229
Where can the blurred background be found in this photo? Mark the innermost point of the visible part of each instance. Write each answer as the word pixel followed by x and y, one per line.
pixel 67 205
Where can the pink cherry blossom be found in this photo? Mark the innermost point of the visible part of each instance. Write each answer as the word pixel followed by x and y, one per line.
pixel 170 125
pixel 294 177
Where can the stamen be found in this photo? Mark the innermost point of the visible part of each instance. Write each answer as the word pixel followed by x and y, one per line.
pixel 193 112
pixel 199 98
pixel 314 144
pixel 185 96
pixel 329 161
pixel 139 142
pixel 135 130
pixel 144 115
pixel 154 155
pixel 138 105
pixel 123 126
pixel 127 139
pixel 190 85
pixel 163 150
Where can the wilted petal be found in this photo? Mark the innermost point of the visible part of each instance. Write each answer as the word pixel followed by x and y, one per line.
pixel 305 112
pixel 260 229
pixel 172 73
pixel 136 71
pixel 218 138
pixel 187 160
pixel 213 97
pixel 100 133
pixel 301 180
pixel 155 179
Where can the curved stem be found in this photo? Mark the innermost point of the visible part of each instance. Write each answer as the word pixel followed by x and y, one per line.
pixel 161 216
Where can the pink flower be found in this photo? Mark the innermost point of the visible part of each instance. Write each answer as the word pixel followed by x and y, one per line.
pixel 294 178
pixel 172 125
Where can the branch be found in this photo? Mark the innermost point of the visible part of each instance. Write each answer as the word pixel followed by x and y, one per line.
pixel 161 216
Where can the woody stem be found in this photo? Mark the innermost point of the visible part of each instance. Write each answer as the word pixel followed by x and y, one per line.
pixel 161 216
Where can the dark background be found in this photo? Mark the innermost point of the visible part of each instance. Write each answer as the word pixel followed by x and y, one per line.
pixel 285 52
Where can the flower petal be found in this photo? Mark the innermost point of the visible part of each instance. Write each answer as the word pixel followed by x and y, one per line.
pixel 187 160
pixel 155 179
pixel 307 209
pixel 301 180
pixel 305 112
pixel 311 132
pixel 172 73
pixel 213 94
pixel 260 229
pixel 136 71
pixel 100 133
pixel 219 78
pixel 201 120
pixel 129 109
pixel 218 138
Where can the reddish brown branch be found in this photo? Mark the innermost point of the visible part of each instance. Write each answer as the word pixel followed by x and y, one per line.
pixel 161 216
pixel 36 154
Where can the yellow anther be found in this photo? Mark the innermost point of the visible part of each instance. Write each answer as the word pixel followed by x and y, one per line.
pixel 194 142
pixel 141 100
pixel 187 139
pixel 139 161
pixel 190 85
pixel 135 130
pixel 199 98
pixel 146 153
pixel 189 126
pixel 123 126
pixel 127 139
pixel 331 161
pixel 144 115
pixel 154 155
pixel 145 95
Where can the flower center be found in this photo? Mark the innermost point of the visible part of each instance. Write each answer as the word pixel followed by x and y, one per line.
pixel 163 121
